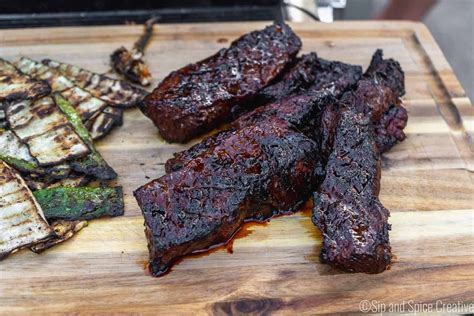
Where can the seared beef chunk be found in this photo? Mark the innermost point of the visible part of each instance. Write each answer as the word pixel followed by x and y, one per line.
pixel 200 96
pixel 296 79
pixel 252 174
pixel 300 111
pixel 389 130
pixel 331 76
pixel 266 164
pixel 347 210
pixel 346 207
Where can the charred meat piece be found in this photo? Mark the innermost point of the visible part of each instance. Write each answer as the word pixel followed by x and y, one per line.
pixel 331 76
pixel 301 112
pixel 15 86
pixel 389 130
pixel 114 92
pixel 130 64
pixel 309 73
pixel 346 207
pixel 347 210
pixel 22 223
pixel 200 96
pixel 251 173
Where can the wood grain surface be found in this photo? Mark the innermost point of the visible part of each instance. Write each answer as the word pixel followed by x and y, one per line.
pixel 427 183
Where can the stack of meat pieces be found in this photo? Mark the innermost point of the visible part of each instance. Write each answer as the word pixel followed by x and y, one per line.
pixel 315 127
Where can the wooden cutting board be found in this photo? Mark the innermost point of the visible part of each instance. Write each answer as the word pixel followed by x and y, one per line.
pixel 427 183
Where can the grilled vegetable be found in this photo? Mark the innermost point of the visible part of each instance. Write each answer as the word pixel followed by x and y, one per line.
pixel 102 124
pixel 130 64
pixel 81 203
pixel 17 155
pixel 83 102
pixel 114 92
pixel 35 182
pixel 93 164
pixel 3 116
pixel 12 149
pixel 71 181
pixel 15 86
pixel 63 230
pixel 45 129
pixel 22 222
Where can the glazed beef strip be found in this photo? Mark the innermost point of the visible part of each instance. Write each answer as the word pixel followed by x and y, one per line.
pixel 258 168
pixel 200 96
pixel 308 76
pixel 346 207
pixel 252 173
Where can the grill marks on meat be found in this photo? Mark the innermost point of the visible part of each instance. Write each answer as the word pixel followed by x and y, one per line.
pixel 346 207
pixel 347 210
pixel 251 173
pixel 298 109
pixel 269 161
pixel 200 96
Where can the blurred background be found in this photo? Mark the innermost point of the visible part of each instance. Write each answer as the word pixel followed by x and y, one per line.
pixel 450 21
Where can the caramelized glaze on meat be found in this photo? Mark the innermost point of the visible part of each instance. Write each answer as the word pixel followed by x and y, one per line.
pixel 346 207
pixel 200 96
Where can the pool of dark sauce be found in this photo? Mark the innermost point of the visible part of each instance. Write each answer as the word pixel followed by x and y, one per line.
pixel 246 230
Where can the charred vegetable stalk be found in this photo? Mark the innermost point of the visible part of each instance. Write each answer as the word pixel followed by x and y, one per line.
pixel 107 119
pixel 82 203
pixel 130 64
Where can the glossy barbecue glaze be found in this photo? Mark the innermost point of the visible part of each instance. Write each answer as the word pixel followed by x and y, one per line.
pixel 292 99
pixel 253 173
pixel 200 96
pixel 347 210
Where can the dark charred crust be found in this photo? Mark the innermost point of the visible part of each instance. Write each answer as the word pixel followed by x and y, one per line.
pixel 201 96
pixel 346 207
pixel 266 164
pixel 353 221
pixel 330 80
pixel 251 174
